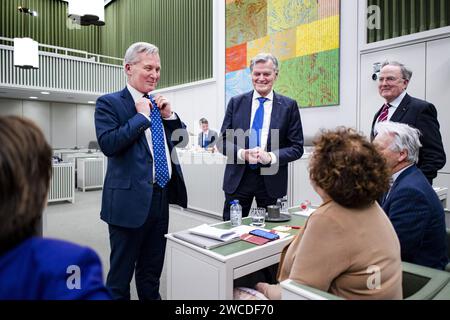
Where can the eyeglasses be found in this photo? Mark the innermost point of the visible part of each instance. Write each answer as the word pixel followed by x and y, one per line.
pixel 388 79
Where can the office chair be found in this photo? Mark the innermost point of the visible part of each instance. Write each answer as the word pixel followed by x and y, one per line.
pixel 418 283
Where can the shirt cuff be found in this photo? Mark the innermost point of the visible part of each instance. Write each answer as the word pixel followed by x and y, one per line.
pixel 274 158
pixel 148 118
pixel 240 154
pixel 173 116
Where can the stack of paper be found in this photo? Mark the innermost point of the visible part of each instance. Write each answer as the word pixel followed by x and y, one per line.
pixel 214 233
pixel 207 237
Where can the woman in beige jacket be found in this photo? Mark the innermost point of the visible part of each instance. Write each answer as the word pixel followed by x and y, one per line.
pixel 348 246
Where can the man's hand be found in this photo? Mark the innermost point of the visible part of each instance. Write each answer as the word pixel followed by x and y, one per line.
pixel 143 105
pixel 263 156
pixel 251 156
pixel 163 105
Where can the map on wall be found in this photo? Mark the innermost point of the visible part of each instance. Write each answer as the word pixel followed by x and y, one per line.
pixel 302 34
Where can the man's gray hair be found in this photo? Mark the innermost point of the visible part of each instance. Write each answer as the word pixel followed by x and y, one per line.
pixel 264 57
pixel 131 55
pixel 405 137
pixel 406 72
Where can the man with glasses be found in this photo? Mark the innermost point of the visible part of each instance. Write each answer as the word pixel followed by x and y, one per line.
pixel 401 107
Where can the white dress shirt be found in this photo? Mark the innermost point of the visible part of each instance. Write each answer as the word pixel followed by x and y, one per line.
pixel 266 122
pixel 394 105
pixel 148 135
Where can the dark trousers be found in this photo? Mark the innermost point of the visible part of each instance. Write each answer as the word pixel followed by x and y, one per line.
pixel 139 249
pixel 251 186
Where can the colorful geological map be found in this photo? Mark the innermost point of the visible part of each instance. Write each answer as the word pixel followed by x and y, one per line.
pixel 302 34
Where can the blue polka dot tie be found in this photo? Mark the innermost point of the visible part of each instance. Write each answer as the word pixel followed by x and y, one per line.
pixel 159 150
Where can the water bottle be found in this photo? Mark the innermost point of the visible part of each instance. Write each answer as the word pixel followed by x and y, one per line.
pixel 235 213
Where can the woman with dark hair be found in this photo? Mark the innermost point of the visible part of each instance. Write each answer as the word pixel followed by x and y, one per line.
pixel 348 246
pixel 31 267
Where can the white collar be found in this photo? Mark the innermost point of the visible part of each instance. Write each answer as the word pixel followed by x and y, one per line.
pixel 135 94
pixel 396 102
pixel 269 97
pixel 397 174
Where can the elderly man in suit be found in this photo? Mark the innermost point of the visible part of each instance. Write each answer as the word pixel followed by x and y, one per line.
pixel 258 160
pixel 207 138
pixel 136 131
pixel 401 107
pixel 411 203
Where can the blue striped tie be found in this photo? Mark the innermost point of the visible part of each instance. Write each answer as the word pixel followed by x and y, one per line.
pixel 159 150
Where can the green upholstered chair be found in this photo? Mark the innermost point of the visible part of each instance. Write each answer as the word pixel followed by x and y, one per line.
pixel 422 283
pixel 419 283
pixel 444 294
pixel 291 290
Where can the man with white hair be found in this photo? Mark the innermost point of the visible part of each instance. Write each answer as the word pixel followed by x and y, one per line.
pixel 136 131
pixel 411 203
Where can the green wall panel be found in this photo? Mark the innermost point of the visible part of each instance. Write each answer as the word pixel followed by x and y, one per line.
pixel 402 17
pixel 182 29
pixel 51 26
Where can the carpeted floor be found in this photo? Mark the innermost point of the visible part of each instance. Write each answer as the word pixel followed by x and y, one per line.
pixel 80 223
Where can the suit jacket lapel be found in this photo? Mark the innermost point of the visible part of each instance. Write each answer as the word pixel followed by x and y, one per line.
pixel 274 118
pixel 246 113
pixel 130 108
pixel 401 110
pixel 395 184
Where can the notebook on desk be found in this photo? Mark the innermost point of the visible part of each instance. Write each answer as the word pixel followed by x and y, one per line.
pixel 201 241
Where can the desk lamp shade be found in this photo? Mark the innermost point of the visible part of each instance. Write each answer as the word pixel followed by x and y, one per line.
pixel 26 53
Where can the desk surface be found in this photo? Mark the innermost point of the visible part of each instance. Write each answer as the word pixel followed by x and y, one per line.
pixel 201 274
pixel 241 245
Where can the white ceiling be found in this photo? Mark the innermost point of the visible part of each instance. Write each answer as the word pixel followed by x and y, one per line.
pixel 54 96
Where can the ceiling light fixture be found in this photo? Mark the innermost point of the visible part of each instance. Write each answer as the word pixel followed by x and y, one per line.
pixel 45 92
pixel 87 12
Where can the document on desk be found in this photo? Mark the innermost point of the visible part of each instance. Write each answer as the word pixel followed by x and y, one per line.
pixel 202 241
pixel 214 233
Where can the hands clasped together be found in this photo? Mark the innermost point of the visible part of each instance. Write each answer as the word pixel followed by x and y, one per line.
pixel 257 155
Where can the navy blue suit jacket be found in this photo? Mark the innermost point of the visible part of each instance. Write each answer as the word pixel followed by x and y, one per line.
pixel 418 218
pixel 422 115
pixel 128 186
pixel 40 269
pixel 285 117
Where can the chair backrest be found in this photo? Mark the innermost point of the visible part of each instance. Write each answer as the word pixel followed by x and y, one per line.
pixel 444 294
pixel 422 283
pixel 418 283
pixel 291 290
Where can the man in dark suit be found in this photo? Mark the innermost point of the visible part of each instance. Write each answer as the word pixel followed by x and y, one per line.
pixel 401 107
pixel 207 138
pixel 136 132
pixel 258 160
pixel 411 203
